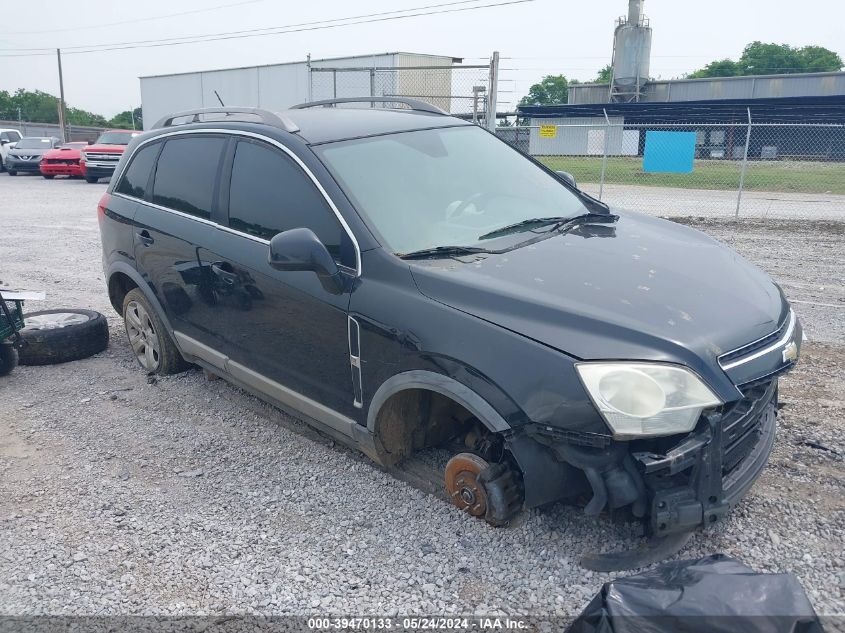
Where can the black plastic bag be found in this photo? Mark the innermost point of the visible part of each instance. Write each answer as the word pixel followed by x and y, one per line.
pixel 713 594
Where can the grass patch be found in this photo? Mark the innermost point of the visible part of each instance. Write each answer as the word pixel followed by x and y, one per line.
pixel 789 176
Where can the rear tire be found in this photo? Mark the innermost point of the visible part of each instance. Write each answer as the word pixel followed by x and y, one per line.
pixel 60 336
pixel 149 339
pixel 8 358
pixel 12 172
pixel 91 179
pixel 48 176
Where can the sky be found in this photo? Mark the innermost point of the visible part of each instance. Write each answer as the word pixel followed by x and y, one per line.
pixel 534 38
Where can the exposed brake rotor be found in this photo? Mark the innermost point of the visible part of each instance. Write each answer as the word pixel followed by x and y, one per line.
pixel 463 486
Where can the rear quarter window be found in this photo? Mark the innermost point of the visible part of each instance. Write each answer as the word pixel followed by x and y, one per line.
pixel 136 178
pixel 186 174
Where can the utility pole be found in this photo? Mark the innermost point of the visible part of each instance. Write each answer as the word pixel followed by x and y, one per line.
pixel 61 97
pixel 309 98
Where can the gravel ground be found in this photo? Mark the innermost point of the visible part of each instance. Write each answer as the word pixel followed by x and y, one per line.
pixel 182 496
pixel 715 203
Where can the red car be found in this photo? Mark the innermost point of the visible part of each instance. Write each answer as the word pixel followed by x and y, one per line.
pixel 100 159
pixel 62 161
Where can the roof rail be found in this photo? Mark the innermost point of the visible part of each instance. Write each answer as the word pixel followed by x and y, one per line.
pixel 265 116
pixel 413 104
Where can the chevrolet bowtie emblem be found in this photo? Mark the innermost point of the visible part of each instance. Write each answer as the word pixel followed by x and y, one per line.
pixel 790 352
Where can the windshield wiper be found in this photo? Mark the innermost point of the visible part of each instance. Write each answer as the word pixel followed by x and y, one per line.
pixel 559 223
pixel 442 251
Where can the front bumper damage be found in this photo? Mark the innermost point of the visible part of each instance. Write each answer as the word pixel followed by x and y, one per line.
pixel 673 485
pixel 701 478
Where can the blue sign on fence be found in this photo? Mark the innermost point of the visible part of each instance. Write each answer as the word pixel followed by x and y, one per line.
pixel 669 152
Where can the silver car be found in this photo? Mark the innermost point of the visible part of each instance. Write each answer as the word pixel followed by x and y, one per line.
pixel 26 154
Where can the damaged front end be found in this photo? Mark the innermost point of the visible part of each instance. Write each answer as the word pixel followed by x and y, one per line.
pixel 673 484
pixel 696 481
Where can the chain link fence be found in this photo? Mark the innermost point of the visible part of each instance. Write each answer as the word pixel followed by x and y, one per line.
pixel 751 169
pixel 74 132
pixel 461 90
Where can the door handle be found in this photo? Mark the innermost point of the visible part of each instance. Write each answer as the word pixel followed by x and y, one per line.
pixel 224 275
pixel 145 238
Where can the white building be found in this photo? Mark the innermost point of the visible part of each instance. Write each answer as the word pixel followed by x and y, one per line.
pixel 277 86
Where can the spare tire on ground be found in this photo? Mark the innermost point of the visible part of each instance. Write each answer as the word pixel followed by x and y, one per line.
pixel 59 336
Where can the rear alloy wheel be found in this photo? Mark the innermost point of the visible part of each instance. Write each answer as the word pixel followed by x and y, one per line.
pixel 60 336
pixel 153 348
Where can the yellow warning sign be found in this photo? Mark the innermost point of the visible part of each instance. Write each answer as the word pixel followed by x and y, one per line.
pixel 548 131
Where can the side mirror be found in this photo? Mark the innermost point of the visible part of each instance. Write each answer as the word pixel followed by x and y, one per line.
pixel 301 249
pixel 567 177
pixel 4 141
pixel 90 142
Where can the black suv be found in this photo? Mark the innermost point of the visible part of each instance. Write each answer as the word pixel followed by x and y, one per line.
pixel 404 280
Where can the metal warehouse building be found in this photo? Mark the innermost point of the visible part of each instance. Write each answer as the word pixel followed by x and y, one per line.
pixel 720 88
pixel 782 127
pixel 278 86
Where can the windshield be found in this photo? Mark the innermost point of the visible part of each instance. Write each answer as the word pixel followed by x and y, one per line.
pixel 116 138
pixel 34 143
pixel 444 187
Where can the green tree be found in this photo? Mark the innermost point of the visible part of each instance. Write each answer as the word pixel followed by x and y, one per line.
pixel 817 59
pixel 41 107
pixel 552 89
pixel 124 120
pixel 75 116
pixel 719 68
pixel 759 58
pixel 604 75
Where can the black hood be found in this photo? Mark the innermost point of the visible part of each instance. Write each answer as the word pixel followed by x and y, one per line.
pixel 642 288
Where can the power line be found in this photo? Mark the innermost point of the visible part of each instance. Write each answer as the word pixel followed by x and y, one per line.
pixel 278 30
pixel 87 27
pixel 257 31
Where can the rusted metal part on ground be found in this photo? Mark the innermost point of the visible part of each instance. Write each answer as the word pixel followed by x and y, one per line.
pixel 655 549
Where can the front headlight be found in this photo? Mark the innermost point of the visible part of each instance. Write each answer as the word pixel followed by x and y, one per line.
pixel 646 399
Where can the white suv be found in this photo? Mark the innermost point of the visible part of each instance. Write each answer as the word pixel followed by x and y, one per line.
pixel 8 138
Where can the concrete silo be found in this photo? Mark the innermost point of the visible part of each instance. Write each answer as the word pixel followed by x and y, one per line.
pixel 631 54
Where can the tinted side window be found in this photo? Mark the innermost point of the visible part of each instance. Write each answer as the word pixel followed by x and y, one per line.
pixel 186 174
pixel 137 175
pixel 270 193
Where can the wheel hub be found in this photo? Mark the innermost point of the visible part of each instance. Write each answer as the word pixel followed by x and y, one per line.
pixel 462 484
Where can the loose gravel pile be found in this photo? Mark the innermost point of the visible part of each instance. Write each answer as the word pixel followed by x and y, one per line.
pixel 123 495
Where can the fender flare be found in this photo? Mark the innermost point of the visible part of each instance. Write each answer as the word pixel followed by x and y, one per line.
pixel 144 286
pixel 449 387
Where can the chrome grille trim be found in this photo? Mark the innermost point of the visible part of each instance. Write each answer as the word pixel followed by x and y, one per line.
pixel 780 342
